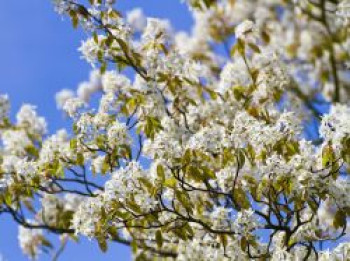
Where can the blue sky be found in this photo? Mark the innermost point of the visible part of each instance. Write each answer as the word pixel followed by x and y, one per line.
pixel 38 57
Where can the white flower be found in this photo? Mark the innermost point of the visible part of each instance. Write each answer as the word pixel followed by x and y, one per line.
pixel 97 164
pixel 272 77
pixel 5 181
pixel 225 178
pixel 87 216
pixel 136 19
pixel 107 103
pixel 113 82
pixel 234 74
pixel 342 251
pixel 95 80
pixel 101 120
pixel 335 126
pixel 220 218
pixel 51 205
pixel 117 134
pixel 15 141
pixel 28 117
pixel 90 49
pixel 326 213
pixel 72 106
pixel 209 139
pixel 343 9
pixel 30 240
pixel 156 30
pixel 62 6
pixel 245 28
pixel 139 84
pixel 328 91
pixel 27 169
pixel 72 202
pixel 125 184
pixel 55 145
pixel 9 163
pixel 63 96
pixel 246 221
pixel 85 90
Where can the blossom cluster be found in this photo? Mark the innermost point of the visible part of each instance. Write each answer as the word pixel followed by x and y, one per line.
pixel 202 154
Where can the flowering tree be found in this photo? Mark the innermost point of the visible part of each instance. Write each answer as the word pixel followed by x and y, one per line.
pixel 220 148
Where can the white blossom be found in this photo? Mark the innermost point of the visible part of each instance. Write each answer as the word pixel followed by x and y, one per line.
pixel 114 82
pixel 156 30
pixel 136 19
pixel 90 49
pixel 117 134
pixel 15 141
pixel 343 10
pixel 244 29
pixel 87 216
pixel 85 90
pixel 27 116
pixel 30 240
pixel 336 125
pixel 218 149
pixel 63 96
pixel 72 106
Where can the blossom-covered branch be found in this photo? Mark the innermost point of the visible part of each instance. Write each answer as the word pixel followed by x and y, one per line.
pixel 204 154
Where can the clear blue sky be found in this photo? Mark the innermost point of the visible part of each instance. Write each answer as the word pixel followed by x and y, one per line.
pixel 38 57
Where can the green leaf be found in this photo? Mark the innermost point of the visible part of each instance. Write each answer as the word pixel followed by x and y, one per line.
pixel 134 246
pixel 223 239
pixel 74 17
pixel 95 37
pixel 265 37
pixel 32 150
pixel 160 172
pixel 327 156
pixel 60 171
pixel 159 239
pixel 101 141
pixel 46 243
pixel 208 173
pixel 241 198
pixel 213 95
pixel 339 219
pixel 105 166
pixel 239 92
pixel 152 126
pixel 73 144
pixel 113 232
pixel 123 45
pixel 145 182
pixel 244 243
pixel 102 243
pixel 171 182
pixel 312 205
pixel 241 47
pixel 254 47
pixel 103 67
pixel 80 159
pixel 8 199
pixel 133 206
pixel 183 198
pixel 240 158
pixel 186 159
pixel 194 173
